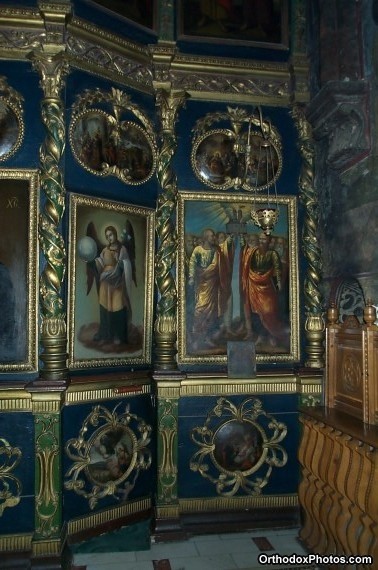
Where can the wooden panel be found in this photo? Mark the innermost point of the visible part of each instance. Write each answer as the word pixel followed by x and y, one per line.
pixel 352 365
pixel 339 461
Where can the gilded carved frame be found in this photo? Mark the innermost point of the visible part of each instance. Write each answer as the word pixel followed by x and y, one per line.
pixel 198 212
pixel 89 219
pixel 19 264
pixel 263 25
pixel 106 140
pixel 12 121
pixel 111 449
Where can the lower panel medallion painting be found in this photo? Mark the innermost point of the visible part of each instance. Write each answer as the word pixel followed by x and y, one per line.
pixel 108 454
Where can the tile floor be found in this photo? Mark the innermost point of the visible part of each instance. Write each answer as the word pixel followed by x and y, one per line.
pixel 206 552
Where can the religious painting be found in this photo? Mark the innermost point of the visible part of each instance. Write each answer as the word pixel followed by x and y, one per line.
pixel 110 455
pixel 214 160
pixel 236 283
pixel 216 163
pixel 19 270
pixel 141 12
pixel 238 447
pixel 110 283
pixel 11 130
pixel 260 23
pixel 111 449
pixel 104 147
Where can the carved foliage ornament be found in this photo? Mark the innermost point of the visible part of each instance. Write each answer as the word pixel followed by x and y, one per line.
pixel 47 501
pixel 11 120
pixel 236 443
pixel 108 454
pixel 167 470
pixel 107 141
pixel 10 486
pixel 245 153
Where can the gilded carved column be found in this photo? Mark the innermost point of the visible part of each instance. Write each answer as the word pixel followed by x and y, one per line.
pixel 47 392
pixel 47 540
pixel 314 324
pixel 165 324
pixel 167 502
pixel 167 376
pixel 50 62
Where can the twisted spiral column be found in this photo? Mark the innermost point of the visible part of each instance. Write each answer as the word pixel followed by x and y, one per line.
pixel 52 69
pixel 314 325
pixel 48 391
pixel 166 314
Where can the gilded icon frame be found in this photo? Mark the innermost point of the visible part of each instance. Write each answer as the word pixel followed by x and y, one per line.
pixel 111 136
pixel 86 349
pixel 238 447
pixel 130 159
pixel 19 260
pixel 216 164
pixel 237 26
pixel 12 130
pixel 111 449
pixel 199 212
pixel 145 18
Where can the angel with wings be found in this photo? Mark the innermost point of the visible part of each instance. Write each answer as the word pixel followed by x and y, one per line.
pixel 112 269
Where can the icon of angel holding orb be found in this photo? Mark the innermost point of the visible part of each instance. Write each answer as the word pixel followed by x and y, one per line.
pixel 111 269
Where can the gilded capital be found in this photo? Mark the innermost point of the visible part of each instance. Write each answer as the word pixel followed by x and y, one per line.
pixel 315 324
pixel 170 103
pixel 165 325
pixel 52 67
pixel 53 326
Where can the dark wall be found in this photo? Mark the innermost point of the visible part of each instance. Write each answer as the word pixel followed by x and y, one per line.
pixel 346 86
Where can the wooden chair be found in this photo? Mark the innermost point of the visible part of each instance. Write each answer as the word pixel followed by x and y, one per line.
pixel 352 364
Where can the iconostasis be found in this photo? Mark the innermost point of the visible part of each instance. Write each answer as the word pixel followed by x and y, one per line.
pixel 162 313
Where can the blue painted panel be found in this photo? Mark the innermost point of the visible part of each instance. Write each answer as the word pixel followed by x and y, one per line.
pixel 73 418
pixel 21 77
pixel 113 23
pixel 287 183
pixel 193 413
pixel 77 179
pixel 18 519
pixel 286 479
pixel 17 429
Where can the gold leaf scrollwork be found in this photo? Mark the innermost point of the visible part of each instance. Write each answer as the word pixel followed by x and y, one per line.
pixel 53 327
pixel 236 443
pixel 167 469
pixel 53 68
pixel 12 116
pixel 310 400
pixel 169 105
pixel 10 486
pixel 119 147
pixel 47 454
pixel 235 150
pixel 108 455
